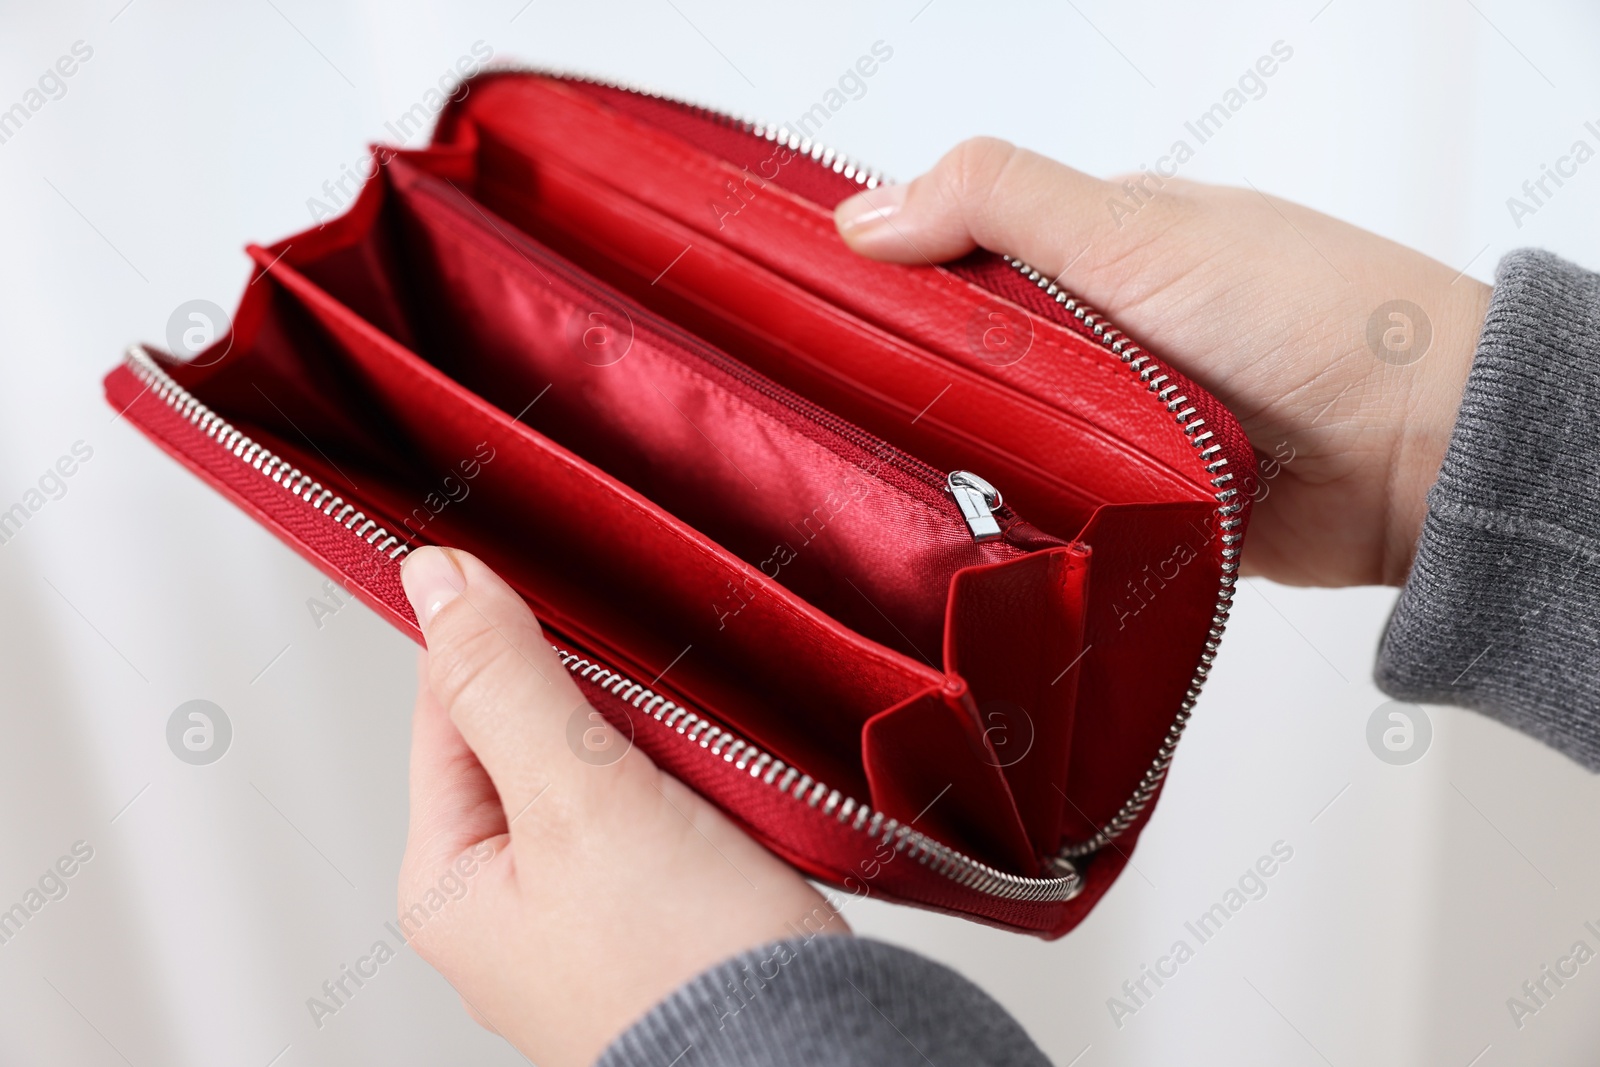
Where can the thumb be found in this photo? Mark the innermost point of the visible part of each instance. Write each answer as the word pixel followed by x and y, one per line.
pixel 492 670
pixel 984 193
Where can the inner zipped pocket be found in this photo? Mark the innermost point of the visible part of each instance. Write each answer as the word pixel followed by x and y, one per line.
pixel 857 527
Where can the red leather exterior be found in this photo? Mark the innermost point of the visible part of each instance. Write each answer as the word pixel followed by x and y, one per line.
pixel 514 342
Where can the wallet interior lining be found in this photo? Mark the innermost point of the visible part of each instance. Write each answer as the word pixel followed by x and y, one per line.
pixel 832 517
pixel 919 400
pixel 481 299
pixel 812 348
pixel 1079 434
pixel 607 567
pixel 515 142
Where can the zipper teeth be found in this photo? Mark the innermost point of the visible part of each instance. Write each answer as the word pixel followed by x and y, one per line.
pixel 1125 349
pixel 693 728
pixel 847 811
pixel 270 464
pixel 1228 507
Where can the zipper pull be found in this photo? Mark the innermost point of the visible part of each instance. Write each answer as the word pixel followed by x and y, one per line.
pixel 978 499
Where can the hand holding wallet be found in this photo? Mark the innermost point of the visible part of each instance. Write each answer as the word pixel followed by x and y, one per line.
pixel 914 571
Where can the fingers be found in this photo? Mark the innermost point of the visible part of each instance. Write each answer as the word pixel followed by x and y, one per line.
pixel 453 803
pixel 491 669
pixel 983 193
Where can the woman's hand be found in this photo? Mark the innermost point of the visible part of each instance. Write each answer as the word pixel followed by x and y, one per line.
pixel 1268 305
pixel 561 890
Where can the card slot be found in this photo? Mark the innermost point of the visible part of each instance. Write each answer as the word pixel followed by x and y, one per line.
pixel 930 765
pixel 778 330
pixel 1154 561
pixel 1015 634
pixel 537 122
pixel 923 402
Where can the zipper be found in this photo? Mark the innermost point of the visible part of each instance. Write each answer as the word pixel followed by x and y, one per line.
pixel 294 481
pixel 1131 355
pixel 694 728
pixel 720 743
pixel 977 499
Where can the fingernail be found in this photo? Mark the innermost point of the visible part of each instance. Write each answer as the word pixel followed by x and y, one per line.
pixel 869 208
pixel 431 579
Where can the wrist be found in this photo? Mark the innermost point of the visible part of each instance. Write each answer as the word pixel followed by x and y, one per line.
pixel 1425 419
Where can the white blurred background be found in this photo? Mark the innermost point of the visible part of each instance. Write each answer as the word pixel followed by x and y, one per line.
pixel 219 898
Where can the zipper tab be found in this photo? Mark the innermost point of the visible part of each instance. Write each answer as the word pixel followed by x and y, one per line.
pixel 978 500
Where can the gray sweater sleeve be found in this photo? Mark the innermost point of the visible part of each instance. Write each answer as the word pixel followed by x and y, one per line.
pixel 825 1001
pixel 1501 612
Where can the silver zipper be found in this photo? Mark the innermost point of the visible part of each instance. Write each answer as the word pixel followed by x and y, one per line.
pixel 762 766
pixel 978 501
pixel 279 470
pixel 1130 354
pixel 694 728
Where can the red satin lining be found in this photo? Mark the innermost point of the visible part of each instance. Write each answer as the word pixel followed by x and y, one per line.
pixel 597 561
pixel 832 519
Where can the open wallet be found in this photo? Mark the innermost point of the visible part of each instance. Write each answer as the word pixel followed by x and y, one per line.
pixel 915 571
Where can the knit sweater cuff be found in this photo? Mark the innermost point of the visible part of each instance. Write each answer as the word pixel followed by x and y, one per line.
pixel 1501 612
pixel 825 1000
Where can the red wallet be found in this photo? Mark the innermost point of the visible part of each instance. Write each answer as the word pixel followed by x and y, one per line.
pixel 914 571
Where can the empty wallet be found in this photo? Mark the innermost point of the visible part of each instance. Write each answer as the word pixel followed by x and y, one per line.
pixel 915 571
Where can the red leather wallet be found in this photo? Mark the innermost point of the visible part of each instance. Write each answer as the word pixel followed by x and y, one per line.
pixel 750 483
